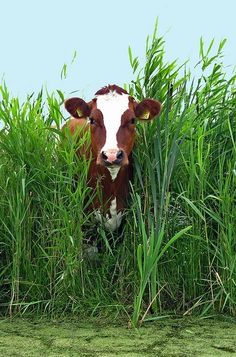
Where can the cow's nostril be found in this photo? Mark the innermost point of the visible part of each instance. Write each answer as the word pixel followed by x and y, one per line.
pixel 104 156
pixel 120 155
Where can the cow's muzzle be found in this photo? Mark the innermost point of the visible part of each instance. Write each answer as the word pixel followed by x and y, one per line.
pixel 112 157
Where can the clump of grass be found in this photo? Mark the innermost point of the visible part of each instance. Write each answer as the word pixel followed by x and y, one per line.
pixel 43 209
pixel 184 166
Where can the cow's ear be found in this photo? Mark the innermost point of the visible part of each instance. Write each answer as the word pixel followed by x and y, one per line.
pixel 77 107
pixel 147 109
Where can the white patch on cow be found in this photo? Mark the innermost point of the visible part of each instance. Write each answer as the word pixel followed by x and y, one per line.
pixel 98 215
pixel 112 106
pixel 113 171
pixel 113 222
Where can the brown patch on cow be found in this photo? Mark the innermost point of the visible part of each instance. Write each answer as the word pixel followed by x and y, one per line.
pixel 126 134
pixel 96 117
pixel 76 125
pixel 111 88
pixel 127 118
pixel 98 138
pixel 76 128
pixel 97 130
pixel 132 104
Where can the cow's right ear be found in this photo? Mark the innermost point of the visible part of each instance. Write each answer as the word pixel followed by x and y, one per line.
pixel 77 107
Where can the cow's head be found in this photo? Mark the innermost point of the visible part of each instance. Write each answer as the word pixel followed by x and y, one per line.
pixel 112 115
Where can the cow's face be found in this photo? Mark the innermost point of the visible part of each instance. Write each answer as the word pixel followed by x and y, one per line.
pixel 112 115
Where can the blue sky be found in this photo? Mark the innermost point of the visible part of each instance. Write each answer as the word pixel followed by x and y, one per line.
pixel 38 37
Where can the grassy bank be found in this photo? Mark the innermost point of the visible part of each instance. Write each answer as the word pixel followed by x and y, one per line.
pixel 177 251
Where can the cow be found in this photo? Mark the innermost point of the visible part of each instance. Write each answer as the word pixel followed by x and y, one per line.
pixel 111 119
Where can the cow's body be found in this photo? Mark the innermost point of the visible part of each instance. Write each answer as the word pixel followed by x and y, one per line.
pixel 110 117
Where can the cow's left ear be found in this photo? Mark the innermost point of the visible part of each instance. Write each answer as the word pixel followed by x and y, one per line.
pixel 147 109
pixel 77 107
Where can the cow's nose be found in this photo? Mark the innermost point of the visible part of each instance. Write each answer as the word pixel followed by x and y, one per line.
pixel 119 156
pixel 104 156
pixel 112 157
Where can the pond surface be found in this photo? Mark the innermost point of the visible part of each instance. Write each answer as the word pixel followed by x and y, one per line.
pixel 171 337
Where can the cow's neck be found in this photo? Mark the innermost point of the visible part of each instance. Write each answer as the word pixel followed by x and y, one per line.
pixel 112 187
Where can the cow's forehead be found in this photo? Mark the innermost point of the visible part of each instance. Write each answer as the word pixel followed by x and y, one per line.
pixel 112 105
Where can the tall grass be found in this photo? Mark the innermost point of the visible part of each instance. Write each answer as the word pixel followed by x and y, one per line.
pixel 176 253
pixel 185 164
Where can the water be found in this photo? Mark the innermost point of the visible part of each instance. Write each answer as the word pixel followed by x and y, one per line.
pixel 172 337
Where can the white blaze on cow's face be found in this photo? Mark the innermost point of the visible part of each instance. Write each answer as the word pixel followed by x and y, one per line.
pixel 112 106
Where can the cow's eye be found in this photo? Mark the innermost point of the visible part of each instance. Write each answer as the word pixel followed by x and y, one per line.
pixel 132 121
pixel 92 121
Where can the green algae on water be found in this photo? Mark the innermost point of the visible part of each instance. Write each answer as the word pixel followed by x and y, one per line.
pixel 178 337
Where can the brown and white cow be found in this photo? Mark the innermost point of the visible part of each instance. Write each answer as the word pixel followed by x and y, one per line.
pixel 111 118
